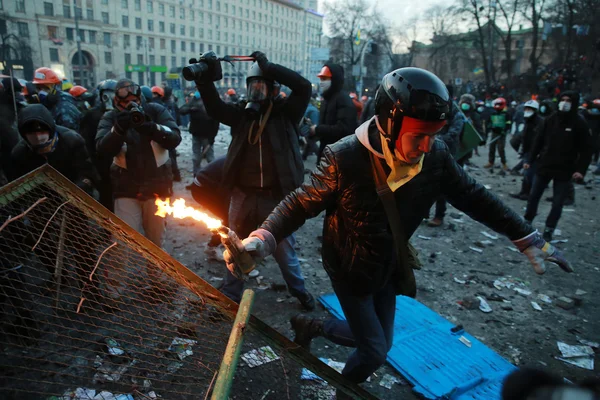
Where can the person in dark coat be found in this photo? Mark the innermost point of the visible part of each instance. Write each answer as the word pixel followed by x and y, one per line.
pixel 592 116
pixel 263 162
pixel 562 151
pixel 9 134
pixel 366 268
pixel 337 116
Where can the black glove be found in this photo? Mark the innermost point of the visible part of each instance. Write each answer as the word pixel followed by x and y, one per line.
pixel 148 129
pixel 261 59
pixel 122 122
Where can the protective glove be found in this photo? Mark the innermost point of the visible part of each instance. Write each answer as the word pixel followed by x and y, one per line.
pixel 122 122
pixel 148 129
pixel 262 60
pixel 538 251
pixel 259 245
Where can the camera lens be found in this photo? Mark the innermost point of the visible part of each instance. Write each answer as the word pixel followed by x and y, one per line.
pixel 194 71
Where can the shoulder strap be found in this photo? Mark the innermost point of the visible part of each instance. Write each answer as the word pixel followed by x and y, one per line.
pixel 406 279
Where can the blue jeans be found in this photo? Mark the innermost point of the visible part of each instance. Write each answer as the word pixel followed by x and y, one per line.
pixel 369 327
pixel 247 212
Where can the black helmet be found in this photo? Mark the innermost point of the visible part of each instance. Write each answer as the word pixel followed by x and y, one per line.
pixel 410 92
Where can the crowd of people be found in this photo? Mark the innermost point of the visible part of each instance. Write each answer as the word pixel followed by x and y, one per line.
pixel 380 168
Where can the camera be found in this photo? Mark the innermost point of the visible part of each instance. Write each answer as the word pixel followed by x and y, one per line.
pixel 137 115
pixel 207 66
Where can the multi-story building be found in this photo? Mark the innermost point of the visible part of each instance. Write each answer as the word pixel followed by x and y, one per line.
pixel 146 40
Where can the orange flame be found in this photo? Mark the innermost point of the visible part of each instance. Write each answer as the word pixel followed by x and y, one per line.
pixel 180 211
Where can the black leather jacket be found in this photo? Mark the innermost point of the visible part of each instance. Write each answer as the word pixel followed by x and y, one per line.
pixel 357 243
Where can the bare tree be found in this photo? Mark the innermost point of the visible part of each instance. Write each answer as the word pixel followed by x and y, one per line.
pixel 534 13
pixel 509 9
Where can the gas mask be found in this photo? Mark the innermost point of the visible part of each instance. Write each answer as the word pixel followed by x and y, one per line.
pixel 480 109
pixel 465 106
pixel 543 109
pixel 127 94
pixel 258 95
pixel 324 85
pixel 107 99
pixel 528 114
pixel 564 106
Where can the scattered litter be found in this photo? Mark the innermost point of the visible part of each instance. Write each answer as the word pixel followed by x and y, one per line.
pixel 495 297
pixel 423 237
pixel 281 299
pixel 215 279
pixel 555 241
pixel 580 356
pixel 260 356
pixel 546 299
pixel 110 373
pixel 183 347
pixel 475 249
pixel 565 303
pixel 557 232
pixel 465 341
pixel 153 395
pixel 486 242
pixel 174 366
pixel 515 354
pixel 254 273
pixel 580 292
pixel 302 260
pixel 581 362
pixel 470 303
pixel 263 286
pixel 588 343
pixel 489 235
pixel 459 281
pixel 511 248
pixel 536 306
pixel 488 187
pixel 456 215
pixel 498 284
pixel 522 292
pixel 147 383
pixel 113 347
pixel 483 305
pixel 388 381
pixel 568 209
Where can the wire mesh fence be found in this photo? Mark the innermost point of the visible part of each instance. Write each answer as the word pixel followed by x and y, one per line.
pixel 93 310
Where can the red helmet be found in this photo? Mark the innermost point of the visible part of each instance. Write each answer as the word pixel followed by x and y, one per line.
pixel 499 103
pixel 324 73
pixel 45 76
pixel 231 92
pixel 77 91
pixel 158 90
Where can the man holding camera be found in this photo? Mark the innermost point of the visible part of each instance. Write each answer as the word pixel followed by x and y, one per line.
pixel 139 139
pixel 263 163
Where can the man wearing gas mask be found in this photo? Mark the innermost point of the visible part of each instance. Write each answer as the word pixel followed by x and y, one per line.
pixel 263 162
pixel 89 128
pixel 139 138
pixel 62 105
pixel 376 185
pixel 562 151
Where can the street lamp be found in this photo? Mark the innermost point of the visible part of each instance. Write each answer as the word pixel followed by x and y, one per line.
pixel 362 63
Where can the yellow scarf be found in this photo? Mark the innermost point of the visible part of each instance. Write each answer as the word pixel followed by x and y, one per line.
pixel 401 173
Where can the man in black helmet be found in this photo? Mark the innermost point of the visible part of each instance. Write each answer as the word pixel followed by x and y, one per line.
pixel 376 186
pixel 263 162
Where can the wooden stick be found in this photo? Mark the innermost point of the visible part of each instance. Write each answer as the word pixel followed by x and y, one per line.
pixel 59 257
pixel 24 213
pixel 47 223
pixel 100 259
pixel 211 383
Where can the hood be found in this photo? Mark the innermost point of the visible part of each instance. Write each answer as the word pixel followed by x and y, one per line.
pixel 36 112
pixel 574 96
pixel 337 79
pixel 362 133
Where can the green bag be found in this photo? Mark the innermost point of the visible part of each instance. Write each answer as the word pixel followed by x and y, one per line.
pixel 469 140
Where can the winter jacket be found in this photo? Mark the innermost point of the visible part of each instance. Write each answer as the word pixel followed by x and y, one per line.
pixel 532 127
pixel 65 111
pixel 337 114
pixel 452 131
pixel 201 125
pixel 141 166
pixel 311 117
pixel 281 130
pixel 500 122
pixel 9 135
pixel 69 157
pixel 563 145
pixel 357 243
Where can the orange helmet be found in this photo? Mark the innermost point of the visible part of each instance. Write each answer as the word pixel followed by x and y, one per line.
pixel 77 91
pixel 325 72
pixel 158 90
pixel 231 92
pixel 45 76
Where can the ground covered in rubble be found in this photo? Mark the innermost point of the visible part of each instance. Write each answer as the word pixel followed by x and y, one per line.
pixel 460 263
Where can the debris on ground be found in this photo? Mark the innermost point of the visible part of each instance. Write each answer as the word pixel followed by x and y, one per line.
pixel 489 235
pixel 475 249
pixel 580 356
pixel 462 282
pixel 470 303
pixel 546 299
pixel 388 381
pixel 565 303
pixel 483 305
pixel 465 341
pixel 183 347
pixel 536 306
pixel 423 237
pixel 113 347
pixel 257 357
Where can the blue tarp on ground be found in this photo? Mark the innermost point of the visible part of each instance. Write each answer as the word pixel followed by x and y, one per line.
pixel 432 357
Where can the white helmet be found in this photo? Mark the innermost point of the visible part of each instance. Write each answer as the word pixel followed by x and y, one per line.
pixel 532 104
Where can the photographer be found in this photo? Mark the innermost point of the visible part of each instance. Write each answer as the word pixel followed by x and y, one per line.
pixel 139 138
pixel 263 162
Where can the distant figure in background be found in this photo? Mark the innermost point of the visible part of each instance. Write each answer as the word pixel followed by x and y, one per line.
pixel 311 117
pixel 357 104
pixel 500 125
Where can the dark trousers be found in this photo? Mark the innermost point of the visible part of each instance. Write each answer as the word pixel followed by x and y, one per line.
pixel 369 327
pixel 173 157
pixel 498 141
pixel 561 190
pixel 440 204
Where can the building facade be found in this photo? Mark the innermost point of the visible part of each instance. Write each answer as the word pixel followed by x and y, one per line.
pixel 151 40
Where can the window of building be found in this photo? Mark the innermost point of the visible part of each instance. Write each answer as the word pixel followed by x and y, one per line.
pixel 151 25
pixel 54 55
pixel 92 36
pixel 126 41
pixel 104 2
pixel 173 61
pixel 233 10
pixel 183 46
pixel 201 33
pixel 107 39
pixel 82 35
pixel 226 38
pixel 210 34
pixel 139 42
pixel 20 6
pixel 90 14
pixel 173 46
pixel 201 47
pixel 226 9
pixel 182 29
pixel 183 61
pixel 52 32
pixel 210 19
pixel 192 31
pixel 108 57
pixel 192 15
pixel 138 23
pixel 137 5
pixel 152 60
pixel 210 4
pixel 219 6
pixel 163 60
pixel 125 21
pixel 218 49
pixel 105 18
pixel 172 11
pixel 193 47
pixel 125 4
pixel 128 75
pixel 163 44
pixel 67 11
pixel 48 9
pixel 151 42
pixel 161 26
pixel 161 9
pixel 172 28
pixel 218 35
pixel 79 12
pixel 140 59
pixel 182 13
pixel 70 34
pixel 149 6
pixel 127 58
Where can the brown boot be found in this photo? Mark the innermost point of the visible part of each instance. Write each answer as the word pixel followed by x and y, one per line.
pixel 434 223
pixel 306 329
